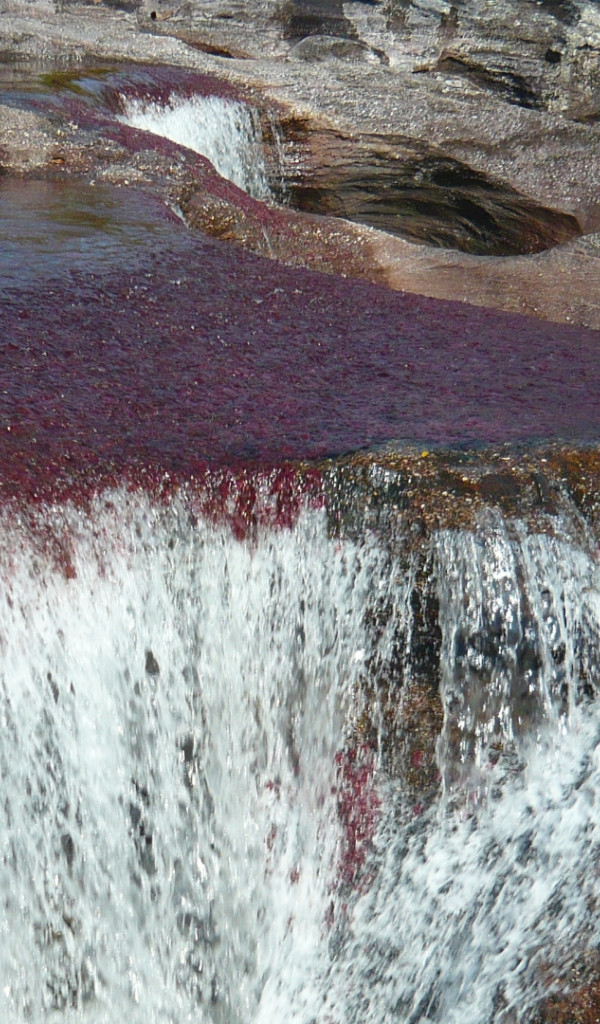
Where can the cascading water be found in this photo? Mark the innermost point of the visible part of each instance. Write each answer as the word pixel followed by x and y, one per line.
pixel 172 703
pixel 223 130
pixel 341 767
pixel 480 902
pixel 199 823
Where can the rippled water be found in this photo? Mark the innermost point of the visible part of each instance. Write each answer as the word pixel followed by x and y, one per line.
pixel 52 229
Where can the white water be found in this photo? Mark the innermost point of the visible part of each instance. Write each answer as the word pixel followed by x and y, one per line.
pixel 155 805
pixel 171 704
pixel 482 902
pixel 223 130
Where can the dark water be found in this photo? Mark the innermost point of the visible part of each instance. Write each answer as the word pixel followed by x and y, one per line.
pixel 128 342
pixel 50 229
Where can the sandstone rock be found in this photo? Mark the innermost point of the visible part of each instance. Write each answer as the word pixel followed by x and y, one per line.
pixel 560 284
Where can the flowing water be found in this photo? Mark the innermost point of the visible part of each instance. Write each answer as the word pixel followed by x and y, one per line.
pixel 223 130
pixel 490 894
pixel 172 702
pixel 176 706
pixel 226 793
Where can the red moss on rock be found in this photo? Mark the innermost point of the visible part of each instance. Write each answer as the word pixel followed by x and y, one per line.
pixel 358 809
pixel 169 352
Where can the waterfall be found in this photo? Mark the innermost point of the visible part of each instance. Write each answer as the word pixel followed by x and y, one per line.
pixel 207 813
pixel 484 902
pixel 223 130
pixel 172 703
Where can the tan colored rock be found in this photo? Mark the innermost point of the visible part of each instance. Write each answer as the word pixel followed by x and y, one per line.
pixel 560 284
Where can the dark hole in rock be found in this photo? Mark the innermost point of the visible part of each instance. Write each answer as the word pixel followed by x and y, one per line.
pixel 214 51
pixel 552 56
pixel 425 197
pixel 494 75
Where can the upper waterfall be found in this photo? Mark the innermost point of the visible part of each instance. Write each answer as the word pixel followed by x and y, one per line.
pixel 223 130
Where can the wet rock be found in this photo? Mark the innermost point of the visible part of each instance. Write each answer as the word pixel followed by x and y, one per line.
pixel 575 998
pixel 450 489
pixel 502 657
pixel 358 809
pixel 579 1007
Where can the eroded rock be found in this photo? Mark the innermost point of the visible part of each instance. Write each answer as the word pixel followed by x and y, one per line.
pixel 413 190
pixel 473 169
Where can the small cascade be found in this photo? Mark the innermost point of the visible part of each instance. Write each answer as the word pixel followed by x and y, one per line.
pixel 223 130
pixel 316 772
pixel 520 617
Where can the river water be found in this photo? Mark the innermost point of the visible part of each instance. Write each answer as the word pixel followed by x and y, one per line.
pixel 212 809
